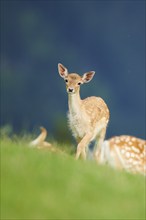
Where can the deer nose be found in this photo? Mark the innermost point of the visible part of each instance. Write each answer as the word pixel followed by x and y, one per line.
pixel 70 90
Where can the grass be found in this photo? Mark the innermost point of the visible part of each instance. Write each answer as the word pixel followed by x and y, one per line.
pixel 39 184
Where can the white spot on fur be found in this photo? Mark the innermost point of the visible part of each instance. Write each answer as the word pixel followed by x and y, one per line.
pixel 135 149
pixel 127 139
pixel 117 141
pixel 141 155
pixel 122 151
pixel 128 154
pixel 132 155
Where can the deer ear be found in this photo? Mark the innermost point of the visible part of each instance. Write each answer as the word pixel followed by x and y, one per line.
pixel 63 72
pixel 88 76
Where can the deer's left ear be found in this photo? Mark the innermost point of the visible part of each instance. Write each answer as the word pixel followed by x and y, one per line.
pixel 88 76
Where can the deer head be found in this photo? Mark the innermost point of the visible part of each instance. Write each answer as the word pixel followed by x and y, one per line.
pixel 74 80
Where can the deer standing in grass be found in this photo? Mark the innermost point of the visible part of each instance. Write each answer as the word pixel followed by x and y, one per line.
pixel 88 118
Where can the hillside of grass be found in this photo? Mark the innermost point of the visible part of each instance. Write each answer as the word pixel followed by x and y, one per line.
pixel 40 184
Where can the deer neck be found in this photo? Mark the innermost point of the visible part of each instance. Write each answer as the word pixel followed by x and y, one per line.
pixel 74 102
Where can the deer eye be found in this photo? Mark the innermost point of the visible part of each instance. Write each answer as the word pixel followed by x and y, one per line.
pixel 79 83
pixel 66 80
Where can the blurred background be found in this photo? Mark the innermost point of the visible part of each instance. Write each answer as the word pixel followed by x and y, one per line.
pixel 105 36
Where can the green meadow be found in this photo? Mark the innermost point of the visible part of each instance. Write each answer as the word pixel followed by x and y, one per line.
pixel 40 184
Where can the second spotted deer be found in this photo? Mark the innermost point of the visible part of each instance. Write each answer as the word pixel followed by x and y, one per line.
pixel 124 152
pixel 88 118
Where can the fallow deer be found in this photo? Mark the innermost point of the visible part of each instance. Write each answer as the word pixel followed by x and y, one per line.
pixel 124 152
pixel 88 118
pixel 40 142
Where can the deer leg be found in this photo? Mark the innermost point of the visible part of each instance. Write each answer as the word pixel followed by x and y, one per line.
pixel 81 148
pixel 99 153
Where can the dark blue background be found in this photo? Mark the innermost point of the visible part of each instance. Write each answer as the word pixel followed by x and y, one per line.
pixel 105 36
